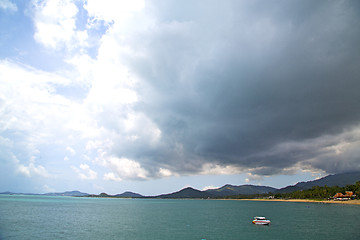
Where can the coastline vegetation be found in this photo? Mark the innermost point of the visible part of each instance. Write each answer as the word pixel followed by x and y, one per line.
pixel 314 193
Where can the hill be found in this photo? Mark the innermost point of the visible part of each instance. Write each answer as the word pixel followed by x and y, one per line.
pixel 186 193
pixel 228 190
pixel 340 180
pixel 128 195
pixel 122 195
pixel 68 193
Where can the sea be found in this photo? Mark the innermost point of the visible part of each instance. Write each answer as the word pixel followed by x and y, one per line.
pixel 50 217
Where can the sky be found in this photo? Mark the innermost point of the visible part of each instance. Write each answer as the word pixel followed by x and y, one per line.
pixel 154 96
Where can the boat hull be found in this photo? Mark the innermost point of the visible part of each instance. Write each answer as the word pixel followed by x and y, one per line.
pixel 261 222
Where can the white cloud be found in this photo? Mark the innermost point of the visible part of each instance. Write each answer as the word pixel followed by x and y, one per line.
pixel 93 145
pixel 164 172
pixel 71 150
pixel 209 187
pixel 85 172
pixel 29 103
pixel 32 170
pixel 123 168
pixel 83 69
pixel 253 177
pixel 105 118
pixel 55 23
pixel 112 10
pixel 31 106
pixel 215 169
pixel 111 176
pixel 5 142
pixel 8 5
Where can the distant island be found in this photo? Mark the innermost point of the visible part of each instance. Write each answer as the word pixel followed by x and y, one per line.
pixel 321 189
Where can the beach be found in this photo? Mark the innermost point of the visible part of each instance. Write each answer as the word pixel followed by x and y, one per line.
pixel 351 202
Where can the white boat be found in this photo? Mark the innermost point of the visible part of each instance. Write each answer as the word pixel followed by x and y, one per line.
pixel 261 221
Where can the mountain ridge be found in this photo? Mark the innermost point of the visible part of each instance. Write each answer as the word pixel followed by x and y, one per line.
pixel 67 193
pixel 188 192
pixel 340 180
pixel 247 189
pixel 128 194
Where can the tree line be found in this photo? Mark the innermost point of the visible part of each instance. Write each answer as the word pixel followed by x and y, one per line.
pixel 315 192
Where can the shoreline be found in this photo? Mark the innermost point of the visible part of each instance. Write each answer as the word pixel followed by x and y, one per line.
pixel 349 202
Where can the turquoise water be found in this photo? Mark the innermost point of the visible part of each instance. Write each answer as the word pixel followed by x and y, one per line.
pixel 42 217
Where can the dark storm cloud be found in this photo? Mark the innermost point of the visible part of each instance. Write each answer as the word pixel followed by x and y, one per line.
pixel 263 85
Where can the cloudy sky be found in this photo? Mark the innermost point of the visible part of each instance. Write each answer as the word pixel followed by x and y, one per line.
pixel 153 96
